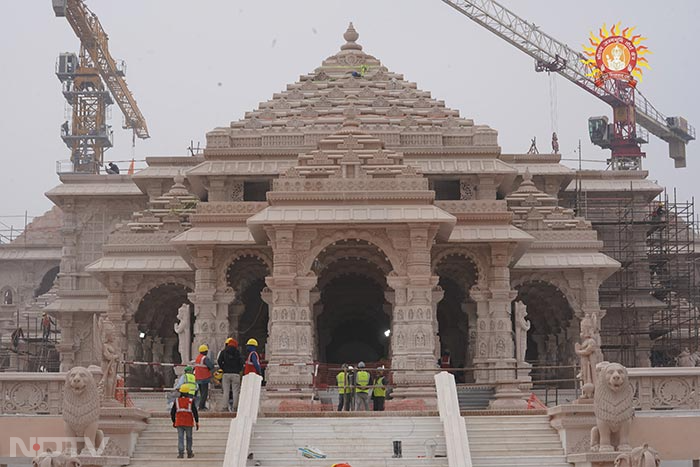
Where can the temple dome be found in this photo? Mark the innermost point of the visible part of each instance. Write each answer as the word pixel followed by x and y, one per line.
pixel 384 104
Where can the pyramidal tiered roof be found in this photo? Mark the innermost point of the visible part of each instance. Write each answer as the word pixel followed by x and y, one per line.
pixel 387 106
pixel 351 165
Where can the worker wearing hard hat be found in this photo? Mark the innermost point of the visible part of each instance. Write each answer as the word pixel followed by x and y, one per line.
pixel 203 369
pixel 379 391
pixel 344 388
pixel 184 416
pixel 362 380
pixel 188 378
pixel 231 363
pixel 252 362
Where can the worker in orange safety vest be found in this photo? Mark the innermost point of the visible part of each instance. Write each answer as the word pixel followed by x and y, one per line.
pixel 252 362
pixel 185 417
pixel 203 370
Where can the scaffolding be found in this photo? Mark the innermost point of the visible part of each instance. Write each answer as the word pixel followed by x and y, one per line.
pixel 28 348
pixel 652 300
pixel 673 278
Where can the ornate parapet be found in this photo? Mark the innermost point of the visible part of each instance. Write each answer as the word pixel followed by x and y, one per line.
pixel 665 388
pixel 31 393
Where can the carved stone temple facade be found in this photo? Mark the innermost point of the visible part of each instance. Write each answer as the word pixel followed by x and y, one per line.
pixel 350 217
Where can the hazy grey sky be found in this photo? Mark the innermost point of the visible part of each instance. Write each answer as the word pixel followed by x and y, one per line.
pixel 193 66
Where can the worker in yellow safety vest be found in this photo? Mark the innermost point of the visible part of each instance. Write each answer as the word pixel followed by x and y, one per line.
pixel 379 391
pixel 188 378
pixel 344 389
pixel 362 380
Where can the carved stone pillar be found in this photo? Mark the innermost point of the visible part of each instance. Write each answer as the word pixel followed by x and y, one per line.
pixel 413 333
pixel 117 310
pixel 437 295
pixel 495 346
pixel 291 335
pixel 133 349
pixel 470 310
pixel 590 304
pixel 66 347
pixel 204 300
pixel 236 310
pixel 220 331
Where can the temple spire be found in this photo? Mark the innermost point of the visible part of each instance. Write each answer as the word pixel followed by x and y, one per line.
pixel 350 37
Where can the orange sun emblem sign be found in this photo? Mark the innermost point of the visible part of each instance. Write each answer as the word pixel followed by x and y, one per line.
pixel 616 54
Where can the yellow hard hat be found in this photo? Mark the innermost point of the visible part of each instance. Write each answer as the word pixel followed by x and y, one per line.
pixel 187 388
pixel 252 341
pixel 203 348
pixel 218 374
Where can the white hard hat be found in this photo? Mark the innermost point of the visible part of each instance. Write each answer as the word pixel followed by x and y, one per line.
pixel 361 365
pixel 350 368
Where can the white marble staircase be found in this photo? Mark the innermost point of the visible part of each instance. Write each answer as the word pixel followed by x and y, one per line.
pixel 157 444
pixel 514 440
pixel 359 441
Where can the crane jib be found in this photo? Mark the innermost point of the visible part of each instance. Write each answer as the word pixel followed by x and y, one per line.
pixel 555 56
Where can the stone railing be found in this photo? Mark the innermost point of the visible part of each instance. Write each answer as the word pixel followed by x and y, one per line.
pixel 666 388
pixel 458 453
pixel 241 428
pixel 31 393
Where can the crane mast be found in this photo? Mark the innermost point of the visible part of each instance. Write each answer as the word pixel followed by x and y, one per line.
pixel 630 107
pixel 91 82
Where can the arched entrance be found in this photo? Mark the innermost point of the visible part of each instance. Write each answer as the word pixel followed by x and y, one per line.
pixel 156 340
pixel 248 314
pixel 352 315
pixel 552 329
pixel 456 311
pixel 47 281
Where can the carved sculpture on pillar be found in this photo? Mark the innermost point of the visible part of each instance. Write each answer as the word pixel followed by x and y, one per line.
pixel 81 408
pixel 522 326
pixel 109 357
pixel 686 359
pixel 612 404
pixel 183 329
pixel 589 352
pixel 641 456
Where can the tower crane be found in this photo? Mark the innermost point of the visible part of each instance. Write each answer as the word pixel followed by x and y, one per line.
pixel 630 107
pixel 90 83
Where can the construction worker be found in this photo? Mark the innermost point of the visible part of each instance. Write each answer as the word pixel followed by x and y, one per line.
pixel 252 363
pixel 379 391
pixel 112 169
pixel 185 378
pixel 231 363
pixel 203 368
pixel 184 416
pixel 362 379
pixel 445 359
pixel 188 377
pixel 344 388
pixel 46 323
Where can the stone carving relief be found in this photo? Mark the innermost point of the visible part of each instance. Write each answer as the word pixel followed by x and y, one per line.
pixel 641 456
pixel 612 403
pixel 25 398
pixel 184 334
pixel 590 354
pixel 81 407
pixel 522 326
pixel 110 355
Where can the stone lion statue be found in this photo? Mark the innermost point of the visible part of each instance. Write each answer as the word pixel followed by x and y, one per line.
pixel 612 404
pixel 51 459
pixel 642 456
pixel 81 408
